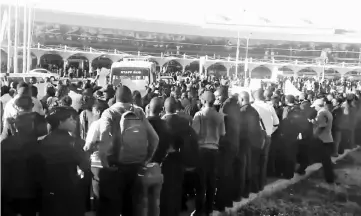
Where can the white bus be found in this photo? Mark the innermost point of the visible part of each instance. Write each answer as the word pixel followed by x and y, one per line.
pixel 136 73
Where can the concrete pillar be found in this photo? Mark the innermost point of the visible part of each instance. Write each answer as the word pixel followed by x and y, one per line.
pixel 319 71
pixel 343 70
pixel 65 64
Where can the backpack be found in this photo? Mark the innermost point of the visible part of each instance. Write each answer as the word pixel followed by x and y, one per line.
pixel 132 139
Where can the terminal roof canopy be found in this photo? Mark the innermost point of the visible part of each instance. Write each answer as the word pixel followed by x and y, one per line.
pixel 290 20
pixel 320 13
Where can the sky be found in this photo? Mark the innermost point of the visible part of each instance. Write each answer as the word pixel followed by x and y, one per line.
pixel 322 13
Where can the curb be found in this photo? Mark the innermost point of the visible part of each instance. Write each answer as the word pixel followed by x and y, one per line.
pixel 280 185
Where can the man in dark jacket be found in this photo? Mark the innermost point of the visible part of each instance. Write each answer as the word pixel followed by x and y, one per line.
pixel 246 175
pixel 228 150
pixel 173 166
pixel 293 124
pixel 21 161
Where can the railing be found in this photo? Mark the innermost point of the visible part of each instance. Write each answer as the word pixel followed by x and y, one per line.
pixel 278 59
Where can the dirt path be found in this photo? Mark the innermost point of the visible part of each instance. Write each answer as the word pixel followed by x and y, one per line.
pixel 313 196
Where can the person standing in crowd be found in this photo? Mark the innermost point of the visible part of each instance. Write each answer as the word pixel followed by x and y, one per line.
pixel 158 193
pixel 173 165
pixel 62 155
pixel 270 121
pixel 117 174
pixel 92 141
pixel 11 110
pixel 336 132
pixel 324 141
pixel 20 160
pixel 228 149
pixel 246 174
pixel 7 95
pixel 209 125
pixel 290 130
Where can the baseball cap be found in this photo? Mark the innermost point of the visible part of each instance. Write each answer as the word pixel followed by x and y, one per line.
pixel 318 102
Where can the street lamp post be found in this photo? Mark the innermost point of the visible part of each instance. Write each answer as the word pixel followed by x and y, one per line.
pixel 237 52
pixel 246 60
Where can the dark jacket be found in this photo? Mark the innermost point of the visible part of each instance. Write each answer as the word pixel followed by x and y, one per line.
pixel 32 123
pixel 20 163
pixel 250 128
pixel 232 115
pixel 62 154
pixel 164 138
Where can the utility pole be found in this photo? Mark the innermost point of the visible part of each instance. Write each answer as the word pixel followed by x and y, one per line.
pixel 9 41
pixel 16 37
pixel 25 24
pixel 30 59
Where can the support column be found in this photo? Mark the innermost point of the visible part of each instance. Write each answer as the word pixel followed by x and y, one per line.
pixel 319 71
pixel 251 66
pixel 65 61
pixel 274 71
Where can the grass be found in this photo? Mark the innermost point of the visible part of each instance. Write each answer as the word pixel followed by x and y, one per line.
pixel 313 196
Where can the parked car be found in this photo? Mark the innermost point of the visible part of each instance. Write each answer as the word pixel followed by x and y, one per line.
pixel 45 73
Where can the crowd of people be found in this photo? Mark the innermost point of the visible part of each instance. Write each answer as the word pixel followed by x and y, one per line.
pixel 84 147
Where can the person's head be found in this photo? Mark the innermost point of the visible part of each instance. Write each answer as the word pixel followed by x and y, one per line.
pixel 267 95
pixel 208 98
pixel 155 106
pixel 275 99
pixel 24 104
pixel 328 105
pixel 329 97
pixel 50 91
pixel 170 105
pixel 14 85
pixel 337 101
pixel 179 106
pixel 66 101
pixel 243 98
pixel 98 108
pixel 62 118
pixel 123 95
pixel 23 89
pixel 258 95
pixel 80 84
pixel 192 95
pixel 318 104
pixel 33 80
pixel 34 91
pixel 184 95
pixel 12 92
pixel 63 90
pixel 290 100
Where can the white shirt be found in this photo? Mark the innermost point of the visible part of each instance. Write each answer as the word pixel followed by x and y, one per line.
pixel 93 134
pixel 5 99
pixel 11 110
pixel 268 115
pixel 102 80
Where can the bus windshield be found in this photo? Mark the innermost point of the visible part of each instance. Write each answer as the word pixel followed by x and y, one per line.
pixel 132 73
pixel 136 78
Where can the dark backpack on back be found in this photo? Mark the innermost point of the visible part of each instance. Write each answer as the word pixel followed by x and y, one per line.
pixel 129 138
